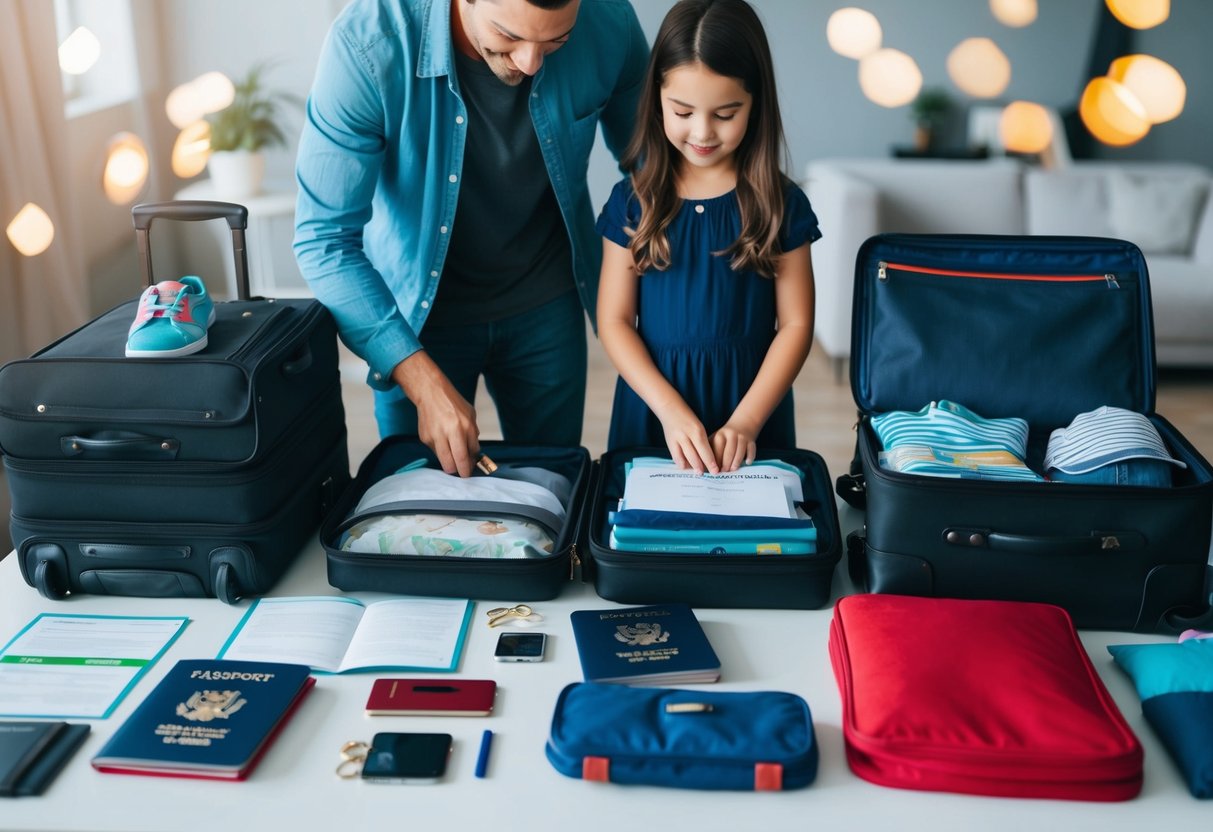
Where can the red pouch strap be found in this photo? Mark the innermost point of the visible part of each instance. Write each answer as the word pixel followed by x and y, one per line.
pixel 768 777
pixel 596 768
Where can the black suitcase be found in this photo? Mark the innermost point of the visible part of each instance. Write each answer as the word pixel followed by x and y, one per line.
pixel 1042 328
pixel 200 475
pixel 518 579
pixel 781 581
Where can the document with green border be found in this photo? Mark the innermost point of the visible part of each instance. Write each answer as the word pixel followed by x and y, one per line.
pixel 80 666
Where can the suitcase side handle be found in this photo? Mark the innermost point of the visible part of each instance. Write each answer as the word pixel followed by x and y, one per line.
pixel 189 211
pixel 1096 543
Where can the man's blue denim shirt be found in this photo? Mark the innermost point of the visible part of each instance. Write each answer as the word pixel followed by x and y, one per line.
pixel 382 151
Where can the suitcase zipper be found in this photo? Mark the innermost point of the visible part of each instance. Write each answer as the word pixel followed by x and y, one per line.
pixel 883 268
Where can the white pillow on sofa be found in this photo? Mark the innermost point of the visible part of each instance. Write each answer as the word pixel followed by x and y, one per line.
pixel 1066 202
pixel 1158 214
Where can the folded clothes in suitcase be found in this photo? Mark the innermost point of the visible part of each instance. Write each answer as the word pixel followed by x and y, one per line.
pixel 1042 329
pixel 722 576
pixel 192 475
pixel 404 526
pixel 978 697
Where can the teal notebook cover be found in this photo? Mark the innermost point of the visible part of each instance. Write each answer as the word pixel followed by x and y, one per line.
pixel 654 645
pixel 206 718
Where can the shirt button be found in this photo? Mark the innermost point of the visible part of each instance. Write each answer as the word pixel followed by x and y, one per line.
pixel 433 274
pixel 698 209
pixel 459 119
pixel 425 304
pixel 442 230
pixel 378 376
pixel 534 95
pixel 453 178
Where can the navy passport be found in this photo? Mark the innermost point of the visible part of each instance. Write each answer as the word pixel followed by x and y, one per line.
pixel 207 718
pixel 656 645
pixel 33 753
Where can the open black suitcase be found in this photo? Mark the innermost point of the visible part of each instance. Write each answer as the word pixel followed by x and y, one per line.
pixel 457 576
pixel 1042 328
pixel 782 580
pixel 580 546
pixel 199 475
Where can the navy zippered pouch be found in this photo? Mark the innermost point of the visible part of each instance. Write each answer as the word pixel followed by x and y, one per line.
pixel 746 741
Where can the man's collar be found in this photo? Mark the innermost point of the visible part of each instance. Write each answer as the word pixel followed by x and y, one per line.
pixel 435 57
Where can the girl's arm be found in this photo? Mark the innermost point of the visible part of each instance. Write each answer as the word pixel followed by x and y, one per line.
pixel 684 433
pixel 734 443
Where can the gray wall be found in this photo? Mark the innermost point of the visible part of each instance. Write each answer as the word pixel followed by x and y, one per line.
pixel 825 114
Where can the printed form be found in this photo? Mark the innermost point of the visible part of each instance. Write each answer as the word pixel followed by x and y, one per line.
pixel 80 666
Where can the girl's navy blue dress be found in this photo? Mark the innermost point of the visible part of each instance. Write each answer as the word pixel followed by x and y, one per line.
pixel 707 327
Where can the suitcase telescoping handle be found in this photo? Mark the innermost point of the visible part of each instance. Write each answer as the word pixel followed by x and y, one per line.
pixel 191 210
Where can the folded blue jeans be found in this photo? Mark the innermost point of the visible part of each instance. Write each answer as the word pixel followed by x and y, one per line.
pixel 1155 473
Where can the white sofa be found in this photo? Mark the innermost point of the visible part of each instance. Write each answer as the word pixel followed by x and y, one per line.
pixel 1159 206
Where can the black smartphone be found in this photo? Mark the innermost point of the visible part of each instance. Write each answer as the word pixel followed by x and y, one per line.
pixel 520 647
pixel 406 758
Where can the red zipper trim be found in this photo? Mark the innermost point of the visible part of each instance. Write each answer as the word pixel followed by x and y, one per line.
pixel 1055 278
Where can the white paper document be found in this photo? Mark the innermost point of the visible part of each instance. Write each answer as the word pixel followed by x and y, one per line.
pixel 80 665
pixel 338 634
pixel 743 493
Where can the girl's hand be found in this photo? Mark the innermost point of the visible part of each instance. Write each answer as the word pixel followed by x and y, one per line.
pixel 734 447
pixel 688 442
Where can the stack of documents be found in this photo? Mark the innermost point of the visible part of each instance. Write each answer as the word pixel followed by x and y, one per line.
pixel 754 510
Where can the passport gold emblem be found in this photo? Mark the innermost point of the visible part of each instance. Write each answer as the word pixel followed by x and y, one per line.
pixel 207 705
pixel 641 634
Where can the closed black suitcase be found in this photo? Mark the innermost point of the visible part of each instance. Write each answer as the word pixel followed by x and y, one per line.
pixel 1042 328
pixel 455 576
pixel 199 475
pixel 714 579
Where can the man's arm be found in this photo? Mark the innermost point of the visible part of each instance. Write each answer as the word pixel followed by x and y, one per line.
pixel 341 151
pixel 619 116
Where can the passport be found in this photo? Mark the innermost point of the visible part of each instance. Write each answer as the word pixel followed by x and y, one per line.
pixel 207 718
pixel 656 645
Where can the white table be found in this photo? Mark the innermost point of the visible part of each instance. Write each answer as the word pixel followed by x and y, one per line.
pixel 295 786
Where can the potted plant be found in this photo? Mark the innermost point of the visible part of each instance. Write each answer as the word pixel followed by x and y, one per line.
pixel 928 111
pixel 241 131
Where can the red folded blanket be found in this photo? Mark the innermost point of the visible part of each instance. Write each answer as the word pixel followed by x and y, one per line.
pixel 978 697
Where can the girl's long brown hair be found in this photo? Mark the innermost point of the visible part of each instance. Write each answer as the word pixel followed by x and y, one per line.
pixel 727 37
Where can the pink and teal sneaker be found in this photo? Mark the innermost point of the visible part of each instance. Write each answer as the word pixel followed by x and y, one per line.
pixel 172 319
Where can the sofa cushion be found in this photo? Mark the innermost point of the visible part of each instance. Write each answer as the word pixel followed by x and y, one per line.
pixel 1061 202
pixel 1158 214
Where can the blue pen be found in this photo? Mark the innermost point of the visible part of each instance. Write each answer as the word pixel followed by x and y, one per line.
pixel 482 761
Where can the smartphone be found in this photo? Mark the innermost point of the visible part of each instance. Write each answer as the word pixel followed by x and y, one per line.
pixel 406 758
pixel 520 647
pixel 431 697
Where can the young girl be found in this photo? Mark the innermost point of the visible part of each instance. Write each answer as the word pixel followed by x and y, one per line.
pixel 706 300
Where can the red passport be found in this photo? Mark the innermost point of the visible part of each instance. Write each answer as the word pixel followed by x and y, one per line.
pixel 431 697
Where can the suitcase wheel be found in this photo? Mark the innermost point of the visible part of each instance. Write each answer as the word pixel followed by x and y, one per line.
pixel 46 582
pixel 227 588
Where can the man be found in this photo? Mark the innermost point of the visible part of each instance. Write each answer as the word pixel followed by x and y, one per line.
pixel 444 216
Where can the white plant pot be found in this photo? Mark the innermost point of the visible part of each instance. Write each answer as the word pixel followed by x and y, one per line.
pixel 236 174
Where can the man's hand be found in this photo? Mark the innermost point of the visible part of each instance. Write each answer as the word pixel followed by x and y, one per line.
pixel 446 422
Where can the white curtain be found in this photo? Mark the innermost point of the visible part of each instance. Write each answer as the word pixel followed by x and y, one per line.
pixel 45 296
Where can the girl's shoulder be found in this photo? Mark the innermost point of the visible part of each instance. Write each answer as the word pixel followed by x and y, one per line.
pixel 623 202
